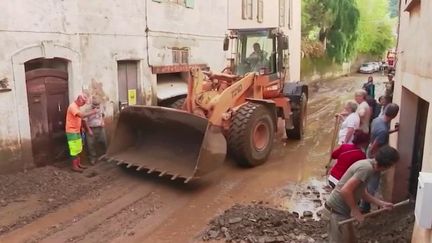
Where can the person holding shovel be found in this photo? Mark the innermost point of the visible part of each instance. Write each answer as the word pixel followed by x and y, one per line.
pixel 343 200
pixel 346 155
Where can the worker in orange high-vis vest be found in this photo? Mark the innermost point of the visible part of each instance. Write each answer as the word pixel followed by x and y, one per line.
pixel 73 130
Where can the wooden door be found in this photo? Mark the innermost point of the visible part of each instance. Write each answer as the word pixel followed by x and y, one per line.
pixel 129 92
pixel 419 140
pixel 47 93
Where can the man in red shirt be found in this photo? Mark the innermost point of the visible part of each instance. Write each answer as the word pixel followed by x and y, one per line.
pixel 346 155
pixel 73 130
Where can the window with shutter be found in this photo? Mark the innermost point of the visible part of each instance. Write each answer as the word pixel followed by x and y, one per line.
pixel 282 10
pixel 189 3
pixel 411 4
pixel 247 7
pixel 244 9
pixel 290 13
pixel 260 7
pixel 180 55
pixel 250 9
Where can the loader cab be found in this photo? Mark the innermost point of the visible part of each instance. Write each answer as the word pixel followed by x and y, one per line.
pixel 259 51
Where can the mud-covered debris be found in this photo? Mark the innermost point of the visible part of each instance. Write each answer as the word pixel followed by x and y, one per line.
pixel 51 186
pixel 213 234
pixel 3 203
pixel 257 223
pixel 234 220
pixel 307 214
pixel 274 225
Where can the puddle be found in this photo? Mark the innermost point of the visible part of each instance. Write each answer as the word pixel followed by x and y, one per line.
pixel 305 199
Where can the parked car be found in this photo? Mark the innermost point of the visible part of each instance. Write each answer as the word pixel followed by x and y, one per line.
pixel 367 68
pixel 377 66
pixel 384 66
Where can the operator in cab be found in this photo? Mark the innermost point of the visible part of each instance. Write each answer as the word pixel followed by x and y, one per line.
pixel 257 59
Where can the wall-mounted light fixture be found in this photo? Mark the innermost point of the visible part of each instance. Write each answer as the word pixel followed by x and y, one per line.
pixel 4 85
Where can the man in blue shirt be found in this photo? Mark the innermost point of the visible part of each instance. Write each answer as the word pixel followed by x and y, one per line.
pixel 380 131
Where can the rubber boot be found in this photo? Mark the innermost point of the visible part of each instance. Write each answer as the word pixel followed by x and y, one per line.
pixel 75 165
pixel 80 165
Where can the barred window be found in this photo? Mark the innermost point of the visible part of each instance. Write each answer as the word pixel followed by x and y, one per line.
pixel 180 55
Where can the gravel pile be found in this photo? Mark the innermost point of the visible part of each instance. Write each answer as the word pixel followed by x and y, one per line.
pixel 258 223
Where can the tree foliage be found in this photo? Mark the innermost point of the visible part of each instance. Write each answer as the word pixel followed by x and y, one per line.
pixel 333 23
pixel 342 35
pixel 394 8
pixel 375 27
pixel 345 27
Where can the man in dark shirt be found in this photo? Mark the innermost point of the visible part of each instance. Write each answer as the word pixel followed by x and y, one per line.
pixel 369 87
pixel 389 87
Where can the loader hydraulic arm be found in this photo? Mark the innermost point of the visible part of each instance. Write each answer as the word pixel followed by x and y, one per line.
pixel 231 97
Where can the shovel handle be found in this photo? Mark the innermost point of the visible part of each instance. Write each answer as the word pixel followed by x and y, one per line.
pixel 375 212
pixel 333 144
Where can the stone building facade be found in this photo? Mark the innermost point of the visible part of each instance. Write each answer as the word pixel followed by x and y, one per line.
pixel 121 51
pixel 118 50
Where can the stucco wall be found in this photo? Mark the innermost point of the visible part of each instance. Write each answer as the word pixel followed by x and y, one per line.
pixel 413 79
pixel 93 36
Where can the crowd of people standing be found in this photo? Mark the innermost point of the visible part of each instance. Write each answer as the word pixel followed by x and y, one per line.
pixel 363 152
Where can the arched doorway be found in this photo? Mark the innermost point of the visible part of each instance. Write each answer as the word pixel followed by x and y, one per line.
pixel 48 100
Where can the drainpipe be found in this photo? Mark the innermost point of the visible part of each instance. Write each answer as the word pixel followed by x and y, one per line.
pixel 398 32
pixel 147 30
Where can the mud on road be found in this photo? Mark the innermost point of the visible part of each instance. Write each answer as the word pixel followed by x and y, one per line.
pixel 257 223
pixel 108 203
pixel 31 194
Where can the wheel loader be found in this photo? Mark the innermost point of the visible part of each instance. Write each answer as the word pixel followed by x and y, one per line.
pixel 235 111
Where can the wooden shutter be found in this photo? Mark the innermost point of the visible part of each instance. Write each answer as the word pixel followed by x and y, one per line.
pixel 189 3
pixel 282 10
pixel 260 7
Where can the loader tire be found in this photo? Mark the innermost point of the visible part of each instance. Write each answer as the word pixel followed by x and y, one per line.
pixel 299 120
pixel 251 134
pixel 178 104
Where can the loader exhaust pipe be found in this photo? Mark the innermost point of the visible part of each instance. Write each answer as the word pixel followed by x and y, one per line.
pixel 168 141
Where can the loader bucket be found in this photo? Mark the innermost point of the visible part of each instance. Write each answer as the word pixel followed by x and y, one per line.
pixel 168 141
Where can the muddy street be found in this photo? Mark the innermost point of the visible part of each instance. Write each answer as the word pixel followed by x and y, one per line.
pixel 108 203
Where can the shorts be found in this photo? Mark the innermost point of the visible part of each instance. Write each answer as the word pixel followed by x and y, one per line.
pixel 74 143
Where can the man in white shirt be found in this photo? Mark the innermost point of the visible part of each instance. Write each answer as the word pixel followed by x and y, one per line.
pixel 363 110
pixel 351 122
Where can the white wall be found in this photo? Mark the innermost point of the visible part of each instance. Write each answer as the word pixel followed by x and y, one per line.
pixel 414 79
pixel 201 29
